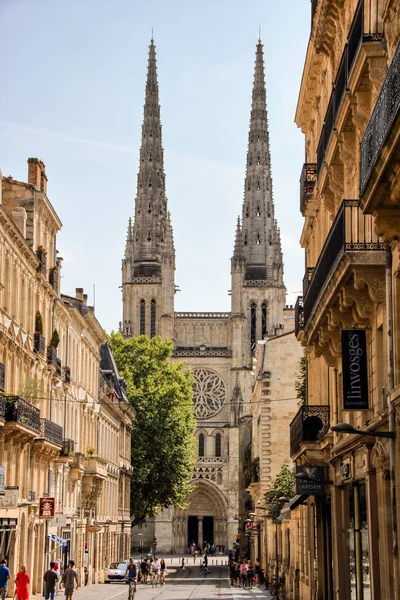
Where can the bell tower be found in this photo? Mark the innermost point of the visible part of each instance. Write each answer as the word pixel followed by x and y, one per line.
pixel 148 267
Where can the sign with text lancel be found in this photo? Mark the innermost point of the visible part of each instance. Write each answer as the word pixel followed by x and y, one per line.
pixel 354 369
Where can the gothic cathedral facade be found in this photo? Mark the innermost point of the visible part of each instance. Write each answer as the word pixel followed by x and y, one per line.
pixel 218 347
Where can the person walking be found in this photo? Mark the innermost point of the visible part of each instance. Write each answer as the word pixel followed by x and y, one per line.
pixel 163 568
pixel 250 575
pixel 22 581
pixel 50 579
pixel 243 572
pixel 4 577
pixel 70 577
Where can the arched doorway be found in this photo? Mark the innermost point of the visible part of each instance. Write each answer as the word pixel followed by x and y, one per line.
pixel 204 519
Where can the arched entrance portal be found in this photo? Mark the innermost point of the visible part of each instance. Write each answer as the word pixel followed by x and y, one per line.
pixel 204 519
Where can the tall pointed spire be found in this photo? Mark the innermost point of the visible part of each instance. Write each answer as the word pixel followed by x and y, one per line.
pixel 151 203
pixel 260 235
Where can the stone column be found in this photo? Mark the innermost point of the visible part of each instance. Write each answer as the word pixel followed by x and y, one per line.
pixel 200 531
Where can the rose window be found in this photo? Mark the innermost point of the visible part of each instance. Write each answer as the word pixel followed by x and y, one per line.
pixel 209 393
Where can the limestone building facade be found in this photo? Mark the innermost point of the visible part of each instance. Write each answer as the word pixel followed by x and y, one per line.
pixel 65 423
pixel 217 346
pixel 349 110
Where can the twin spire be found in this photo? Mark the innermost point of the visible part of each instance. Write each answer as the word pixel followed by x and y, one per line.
pixel 150 239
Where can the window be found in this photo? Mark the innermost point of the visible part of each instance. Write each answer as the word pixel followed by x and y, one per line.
pixel 253 325
pixel 201 444
pixel 142 317
pixel 153 318
pixel 218 444
pixel 263 319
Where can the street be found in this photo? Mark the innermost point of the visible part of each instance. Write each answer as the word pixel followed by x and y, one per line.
pixel 180 585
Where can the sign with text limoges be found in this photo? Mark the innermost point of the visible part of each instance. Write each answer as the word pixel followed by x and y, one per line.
pixel 354 369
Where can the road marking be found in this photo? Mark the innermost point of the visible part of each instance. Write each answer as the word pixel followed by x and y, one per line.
pixel 115 595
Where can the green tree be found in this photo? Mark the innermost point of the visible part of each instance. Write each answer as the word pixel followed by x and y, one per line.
pixel 300 384
pixel 284 486
pixel 163 442
pixel 31 390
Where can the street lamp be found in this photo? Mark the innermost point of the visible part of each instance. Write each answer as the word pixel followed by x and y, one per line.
pixel 141 546
pixel 347 428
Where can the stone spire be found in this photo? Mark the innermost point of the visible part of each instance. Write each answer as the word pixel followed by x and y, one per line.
pixel 151 223
pixel 260 234
pixel 238 257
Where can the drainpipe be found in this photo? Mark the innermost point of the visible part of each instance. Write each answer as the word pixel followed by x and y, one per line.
pixel 391 415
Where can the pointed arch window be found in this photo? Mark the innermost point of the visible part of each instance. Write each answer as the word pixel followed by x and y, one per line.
pixel 142 317
pixel 253 325
pixel 258 211
pixel 245 239
pixel 201 444
pixel 258 240
pixel 153 307
pixel 264 319
pixel 218 444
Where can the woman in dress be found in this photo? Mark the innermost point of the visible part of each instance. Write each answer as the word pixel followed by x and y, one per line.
pixel 162 571
pixel 22 581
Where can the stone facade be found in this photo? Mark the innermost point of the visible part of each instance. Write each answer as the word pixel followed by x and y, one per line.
pixel 348 113
pixel 218 347
pixel 54 419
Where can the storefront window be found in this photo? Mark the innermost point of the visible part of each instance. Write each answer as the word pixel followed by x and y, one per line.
pixel 358 543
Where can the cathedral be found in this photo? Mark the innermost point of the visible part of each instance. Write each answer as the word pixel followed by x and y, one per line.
pixel 217 346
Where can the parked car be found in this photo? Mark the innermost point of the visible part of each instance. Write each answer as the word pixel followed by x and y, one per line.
pixel 115 572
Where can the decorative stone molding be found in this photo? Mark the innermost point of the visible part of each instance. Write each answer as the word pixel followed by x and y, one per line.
pixel 391 19
pixel 336 183
pixel 363 308
pixel 380 458
pixel 377 73
pixel 387 223
pixel 373 281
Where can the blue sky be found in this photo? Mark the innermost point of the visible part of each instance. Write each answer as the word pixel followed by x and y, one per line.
pixel 73 77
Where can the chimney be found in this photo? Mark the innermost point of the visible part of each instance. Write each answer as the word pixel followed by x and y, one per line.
pixel 79 294
pixel 37 174
pixel 85 299
pixel 19 217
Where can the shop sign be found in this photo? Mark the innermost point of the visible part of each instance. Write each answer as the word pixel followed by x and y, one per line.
pixel 251 525
pixel 312 482
pixel 47 508
pixel 354 369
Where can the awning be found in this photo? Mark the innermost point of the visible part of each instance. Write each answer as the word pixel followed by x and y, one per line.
pixel 297 500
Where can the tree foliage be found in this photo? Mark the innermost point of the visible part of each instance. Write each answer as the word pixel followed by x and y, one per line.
pixel 163 442
pixel 300 384
pixel 284 486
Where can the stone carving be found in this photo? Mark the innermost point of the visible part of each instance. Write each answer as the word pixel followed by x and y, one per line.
pixel 9 499
pixel 380 458
pixel 209 393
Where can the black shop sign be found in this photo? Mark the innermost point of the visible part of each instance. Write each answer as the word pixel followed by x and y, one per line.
pixel 354 369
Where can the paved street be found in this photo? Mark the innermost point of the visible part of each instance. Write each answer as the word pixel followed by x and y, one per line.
pixel 180 585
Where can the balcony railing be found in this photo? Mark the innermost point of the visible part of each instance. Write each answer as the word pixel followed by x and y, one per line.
pixel 67 447
pixel 298 316
pixel 350 231
pixel 20 411
pixel 67 375
pixel 39 343
pixel 42 262
pixel 356 38
pixel 52 432
pixel 307 182
pixel 310 424
pixel 2 377
pixel 52 356
pixel 386 109
pixel 58 367
pixel 3 405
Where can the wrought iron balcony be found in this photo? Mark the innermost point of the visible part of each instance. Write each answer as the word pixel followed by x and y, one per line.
pixel 298 316
pixel 52 432
pixel 42 261
pixel 357 36
pixel 351 231
pixel 78 462
pixel 20 411
pixel 308 178
pixel 310 424
pixel 52 356
pixel 39 343
pixel 2 377
pixel 67 375
pixel 67 447
pixel 58 367
pixel 387 108
pixel 3 405
pixel 53 278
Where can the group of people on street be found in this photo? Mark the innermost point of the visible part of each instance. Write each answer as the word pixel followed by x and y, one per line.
pixel 243 573
pixel 50 579
pixel 153 569
pixel 208 547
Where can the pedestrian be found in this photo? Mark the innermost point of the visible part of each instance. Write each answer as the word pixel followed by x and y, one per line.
pixel 243 572
pixel 131 573
pixel 163 570
pixel 70 578
pixel 22 580
pixel 257 570
pixel 250 575
pixel 50 579
pixel 4 577
pixel 183 564
pixel 144 570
